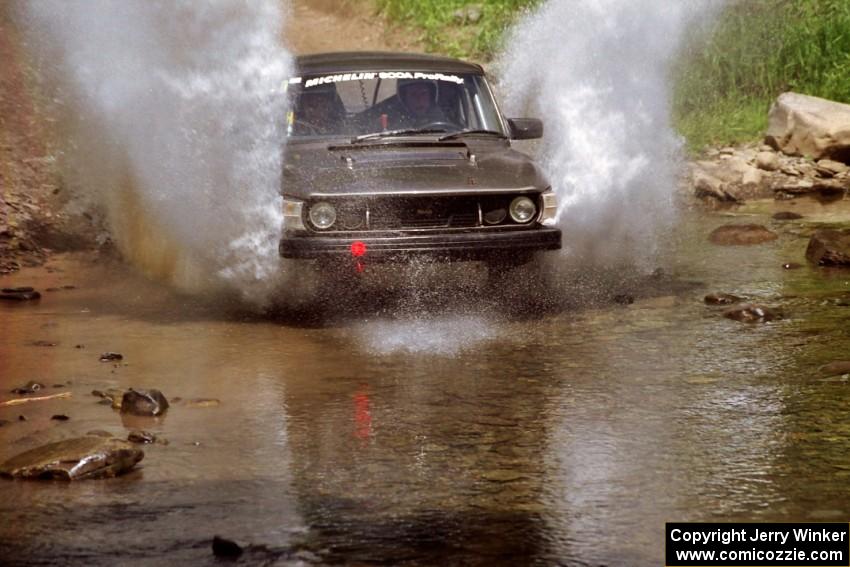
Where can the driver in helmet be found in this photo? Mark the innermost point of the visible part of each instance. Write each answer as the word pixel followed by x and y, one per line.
pixel 419 103
pixel 319 111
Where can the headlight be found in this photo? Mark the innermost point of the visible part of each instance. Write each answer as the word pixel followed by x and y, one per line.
pixel 292 219
pixel 522 210
pixel 322 215
pixel 550 208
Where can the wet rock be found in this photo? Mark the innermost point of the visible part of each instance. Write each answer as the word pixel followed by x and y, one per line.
pixel 60 417
pixel 741 235
pixel 15 294
pixel 225 548
pixel 786 215
pixel 111 396
pixel 141 437
pixel 22 417
pixel 768 161
pixel 202 403
pixel 835 368
pixel 750 313
pixel 143 402
pixel 30 387
pixel 79 346
pixel 74 459
pixel 829 247
pixel 721 299
pixel 111 356
pixel 809 126
pixel 791 266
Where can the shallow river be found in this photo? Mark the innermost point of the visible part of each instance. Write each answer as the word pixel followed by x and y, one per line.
pixel 433 437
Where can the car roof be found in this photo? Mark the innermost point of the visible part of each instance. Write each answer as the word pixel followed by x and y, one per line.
pixel 341 61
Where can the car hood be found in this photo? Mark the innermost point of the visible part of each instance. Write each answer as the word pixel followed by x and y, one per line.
pixel 412 166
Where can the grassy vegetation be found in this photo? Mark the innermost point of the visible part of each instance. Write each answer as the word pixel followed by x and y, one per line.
pixel 727 76
pixel 757 49
pixel 447 33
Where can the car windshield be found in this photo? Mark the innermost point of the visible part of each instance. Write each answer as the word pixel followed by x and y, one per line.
pixel 370 102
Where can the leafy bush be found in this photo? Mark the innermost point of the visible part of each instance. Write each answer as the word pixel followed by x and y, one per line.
pixel 757 49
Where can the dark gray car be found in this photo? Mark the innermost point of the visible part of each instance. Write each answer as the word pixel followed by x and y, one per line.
pixel 392 156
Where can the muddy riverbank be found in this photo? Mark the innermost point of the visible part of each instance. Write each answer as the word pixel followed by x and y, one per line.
pixel 440 435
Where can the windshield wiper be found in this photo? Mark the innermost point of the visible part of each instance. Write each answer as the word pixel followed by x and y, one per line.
pixel 462 133
pixel 391 133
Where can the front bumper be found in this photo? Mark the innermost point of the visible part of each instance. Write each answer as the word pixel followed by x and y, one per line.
pixel 477 245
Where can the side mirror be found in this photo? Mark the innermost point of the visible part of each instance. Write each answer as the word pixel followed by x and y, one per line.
pixel 525 128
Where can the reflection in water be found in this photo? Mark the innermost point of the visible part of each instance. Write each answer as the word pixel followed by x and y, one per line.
pixel 567 438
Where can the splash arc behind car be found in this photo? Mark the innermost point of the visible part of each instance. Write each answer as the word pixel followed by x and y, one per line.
pixel 394 156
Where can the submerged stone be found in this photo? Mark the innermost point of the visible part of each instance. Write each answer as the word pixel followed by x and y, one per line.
pixel 19 294
pixel 225 548
pixel 741 235
pixel 836 367
pixel 74 459
pixel 141 437
pixel 30 387
pixel 143 402
pixel 111 396
pixel 721 299
pixel 787 215
pixel 750 313
pixel 111 356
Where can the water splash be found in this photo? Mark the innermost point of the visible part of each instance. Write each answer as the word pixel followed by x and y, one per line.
pixel 172 110
pixel 443 335
pixel 596 71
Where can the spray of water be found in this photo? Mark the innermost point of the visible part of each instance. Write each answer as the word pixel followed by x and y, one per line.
pixel 597 72
pixel 172 111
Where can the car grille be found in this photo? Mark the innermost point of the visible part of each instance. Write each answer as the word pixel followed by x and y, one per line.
pixel 419 213
pixel 416 213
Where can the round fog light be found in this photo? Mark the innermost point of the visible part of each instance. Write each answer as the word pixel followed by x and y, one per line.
pixel 495 216
pixel 322 215
pixel 522 209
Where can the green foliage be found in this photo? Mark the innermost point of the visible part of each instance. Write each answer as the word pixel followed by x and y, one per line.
pixel 443 32
pixel 756 50
pixel 728 75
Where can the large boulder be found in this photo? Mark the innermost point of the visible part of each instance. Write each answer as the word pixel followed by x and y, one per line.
pixel 805 125
pixel 829 247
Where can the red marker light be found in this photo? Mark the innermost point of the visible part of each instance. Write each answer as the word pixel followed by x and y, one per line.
pixel 358 249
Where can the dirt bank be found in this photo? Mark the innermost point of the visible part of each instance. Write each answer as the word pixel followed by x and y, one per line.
pixel 314 26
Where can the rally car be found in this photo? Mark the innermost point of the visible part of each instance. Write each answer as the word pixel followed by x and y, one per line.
pixel 395 156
